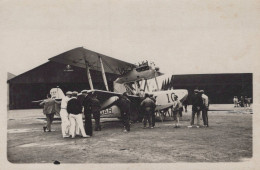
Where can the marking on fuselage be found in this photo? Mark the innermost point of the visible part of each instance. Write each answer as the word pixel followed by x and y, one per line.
pixel 172 96
pixel 106 111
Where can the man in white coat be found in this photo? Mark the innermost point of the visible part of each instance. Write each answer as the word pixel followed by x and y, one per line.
pixel 65 123
pixel 205 108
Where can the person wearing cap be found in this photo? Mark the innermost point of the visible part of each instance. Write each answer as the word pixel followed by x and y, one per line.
pixel 147 105
pixel 180 108
pixel 242 101
pixel 87 112
pixel 245 101
pixel 196 108
pixel 125 107
pixel 64 115
pixel 248 101
pixel 235 100
pixel 74 109
pixel 95 109
pixel 49 111
pixel 175 110
pixel 205 108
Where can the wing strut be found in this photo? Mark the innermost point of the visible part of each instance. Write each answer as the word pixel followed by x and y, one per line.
pixel 103 73
pixel 146 85
pixel 88 73
pixel 156 81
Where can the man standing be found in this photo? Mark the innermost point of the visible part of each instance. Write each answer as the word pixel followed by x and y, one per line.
pixel 248 101
pixel 95 109
pixel 49 110
pixel 87 112
pixel 65 123
pixel 153 110
pixel 235 100
pixel 180 108
pixel 245 101
pixel 196 108
pixel 147 104
pixel 176 111
pixel 125 107
pixel 205 108
pixel 242 101
pixel 74 109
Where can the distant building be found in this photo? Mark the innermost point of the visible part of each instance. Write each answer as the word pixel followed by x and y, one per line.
pixel 36 83
pixel 9 76
pixel 221 88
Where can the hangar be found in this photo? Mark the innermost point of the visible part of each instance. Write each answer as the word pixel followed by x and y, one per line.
pixel 220 88
pixel 36 83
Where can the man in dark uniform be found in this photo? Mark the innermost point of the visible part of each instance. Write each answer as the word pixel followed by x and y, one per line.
pixel 245 101
pixel 91 106
pixel 153 110
pixel 197 104
pixel 242 101
pixel 87 112
pixel 205 108
pixel 95 109
pixel 147 104
pixel 124 104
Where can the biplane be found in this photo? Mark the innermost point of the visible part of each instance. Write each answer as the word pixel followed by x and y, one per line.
pixel 132 78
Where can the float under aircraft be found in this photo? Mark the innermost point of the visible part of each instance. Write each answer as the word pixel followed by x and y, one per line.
pixel 133 79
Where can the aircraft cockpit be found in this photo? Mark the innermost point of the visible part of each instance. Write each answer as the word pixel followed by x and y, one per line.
pixel 146 66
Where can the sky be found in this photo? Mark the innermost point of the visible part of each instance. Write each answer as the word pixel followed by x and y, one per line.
pixel 181 37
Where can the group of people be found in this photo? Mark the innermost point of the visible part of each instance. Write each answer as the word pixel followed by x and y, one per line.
pixel 243 102
pixel 200 103
pixel 148 106
pixel 72 109
pixel 71 114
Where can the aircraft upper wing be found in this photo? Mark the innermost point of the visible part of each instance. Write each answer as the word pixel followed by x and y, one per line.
pixel 76 57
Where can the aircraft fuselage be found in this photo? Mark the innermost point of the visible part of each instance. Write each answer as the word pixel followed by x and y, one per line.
pixel 135 75
pixel 163 98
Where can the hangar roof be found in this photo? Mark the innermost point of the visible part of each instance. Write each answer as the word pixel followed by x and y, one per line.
pixel 52 72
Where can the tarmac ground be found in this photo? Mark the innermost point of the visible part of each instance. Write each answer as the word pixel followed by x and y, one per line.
pixel 227 139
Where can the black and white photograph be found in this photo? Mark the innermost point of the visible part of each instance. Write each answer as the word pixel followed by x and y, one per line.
pixel 130 84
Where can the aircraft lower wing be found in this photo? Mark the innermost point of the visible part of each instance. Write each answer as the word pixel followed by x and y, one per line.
pixel 107 98
pixel 162 107
pixel 37 101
